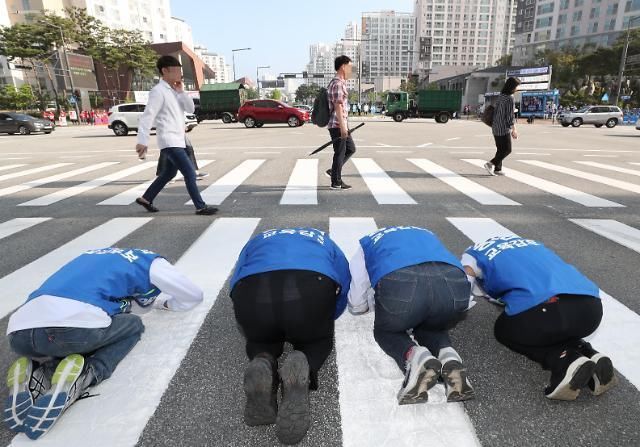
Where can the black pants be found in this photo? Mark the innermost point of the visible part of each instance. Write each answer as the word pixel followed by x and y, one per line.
pixel 162 160
pixel 503 146
pixel 544 331
pixel 343 149
pixel 295 306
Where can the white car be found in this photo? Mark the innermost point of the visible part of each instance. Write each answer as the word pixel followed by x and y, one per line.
pixel 638 124
pixel 124 118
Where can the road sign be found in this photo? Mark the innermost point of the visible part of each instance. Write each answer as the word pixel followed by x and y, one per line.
pixel 635 59
pixel 72 99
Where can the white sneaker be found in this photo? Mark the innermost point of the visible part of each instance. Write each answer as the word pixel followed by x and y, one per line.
pixel 489 167
pixel 421 375
pixel 458 388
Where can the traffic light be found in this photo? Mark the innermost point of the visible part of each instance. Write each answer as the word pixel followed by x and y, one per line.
pixel 305 74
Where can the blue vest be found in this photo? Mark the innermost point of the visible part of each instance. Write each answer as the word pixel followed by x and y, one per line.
pixel 525 273
pixel 393 248
pixel 295 249
pixel 107 278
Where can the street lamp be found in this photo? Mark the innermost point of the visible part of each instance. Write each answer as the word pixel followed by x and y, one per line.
pixel 233 56
pixel 257 81
pixel 623 60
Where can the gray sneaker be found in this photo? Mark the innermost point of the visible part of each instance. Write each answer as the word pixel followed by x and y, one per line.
pixel 455 379
pixel 489 167
pixel 294 417
pixel 498 172
pixel 260 389
pixel 26 384
pixel 421 375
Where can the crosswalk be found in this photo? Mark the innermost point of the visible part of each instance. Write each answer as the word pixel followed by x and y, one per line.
pixel 367 379
pixel 305 182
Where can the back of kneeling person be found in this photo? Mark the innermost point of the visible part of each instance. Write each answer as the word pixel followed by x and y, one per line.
pixel 415 285
pixel 76 328
pixel 549 308
pixel 289 286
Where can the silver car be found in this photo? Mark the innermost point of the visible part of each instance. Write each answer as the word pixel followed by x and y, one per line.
pixel 599 116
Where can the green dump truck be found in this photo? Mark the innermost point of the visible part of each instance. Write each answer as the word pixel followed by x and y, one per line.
pixel 220 101
pixel 438 104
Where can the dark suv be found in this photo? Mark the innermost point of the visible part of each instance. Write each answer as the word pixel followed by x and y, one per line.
pixel 257 112
pixel 23 124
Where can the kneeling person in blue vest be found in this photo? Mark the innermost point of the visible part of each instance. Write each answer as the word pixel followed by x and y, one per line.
pixel 549 308
pixel 289 285
pixel 419 291
pixel 74 330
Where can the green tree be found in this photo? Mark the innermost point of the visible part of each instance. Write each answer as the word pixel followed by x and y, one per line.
pixel 307 92
pixel 276 95
pixel 505 60
pixel 252 93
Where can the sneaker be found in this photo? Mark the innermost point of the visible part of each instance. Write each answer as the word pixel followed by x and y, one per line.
pixel 422 371
pixel 573 373
pixel 69 383
pixel 341 185
pixel 604 377
pixel 147 205
pixel 25 386
pixel 207 211
pixel 328 173
pixel 458 387
pixel 294 418
pixel 489 167
pixel 498 173
pixel 201 175
pixel 261 389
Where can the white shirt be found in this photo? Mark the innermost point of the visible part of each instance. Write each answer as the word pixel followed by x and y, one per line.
pixel 178 294
pixel 165 108
pixel 361 294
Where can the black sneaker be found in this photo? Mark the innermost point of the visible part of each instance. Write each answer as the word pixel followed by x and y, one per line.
pixel 458 388
pixel 341 185
pixel 207 211
pixel 261 388
pixel 294 418
pixel 572 373
pixel 328 173
pixel 147 205
pixel 604 377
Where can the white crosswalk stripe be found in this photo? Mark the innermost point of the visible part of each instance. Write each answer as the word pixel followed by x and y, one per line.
pixel 54 178
pixel 384 189
pixel 302 188
pixel 619 333
pixel 223 187
pixel 130 195
pixel 585 175
pixel 19 284
pixel 369 411
pixel 87 186
pixel 473 190
pixel 610 167
pixel 14 226
pixel 553 188
pixel 10 167
pixel 155 359
pixel 32 171
pixel 613 230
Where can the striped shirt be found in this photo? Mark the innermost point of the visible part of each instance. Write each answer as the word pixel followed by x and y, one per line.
pixel 503 115
pixel 337 94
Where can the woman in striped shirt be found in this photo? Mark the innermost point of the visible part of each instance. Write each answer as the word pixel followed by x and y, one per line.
pixel 503 127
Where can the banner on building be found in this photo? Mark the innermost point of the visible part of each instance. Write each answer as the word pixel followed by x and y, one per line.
pixel 82 71
pixel 532 79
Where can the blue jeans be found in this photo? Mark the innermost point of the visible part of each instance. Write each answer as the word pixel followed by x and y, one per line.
pixel 177 160
pixel 428 298
pixel 103 348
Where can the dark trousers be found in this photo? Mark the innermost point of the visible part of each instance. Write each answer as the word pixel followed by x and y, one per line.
pixel 429 298
pixel 295 306
pixel 544 331
pixel 103 348
pixel 162 159
pixel 503 146
pixel 177 160
pixel 343 149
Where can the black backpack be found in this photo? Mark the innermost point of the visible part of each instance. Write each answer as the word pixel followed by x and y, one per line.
pixel 320 114
pixel 487 115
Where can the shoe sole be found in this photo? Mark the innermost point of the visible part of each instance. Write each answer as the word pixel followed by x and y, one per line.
pixel 427 378
pixel 294 419
pixel 19 401
pixel 577 376
pixel 48 408
pixel 458 387
pixel 489 170
pixel 604 377
pixel 259 409
pixel 327 174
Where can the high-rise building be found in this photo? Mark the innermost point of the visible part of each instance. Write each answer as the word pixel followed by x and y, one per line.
pixel 180 31
pixel 388 39
pixel 555 25
pixel 462 33
pixel 217 63
pixel 9 75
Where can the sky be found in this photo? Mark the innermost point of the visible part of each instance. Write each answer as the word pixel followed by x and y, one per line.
pixel 278 32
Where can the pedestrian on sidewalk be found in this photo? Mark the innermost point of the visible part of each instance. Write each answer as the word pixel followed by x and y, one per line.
pixel 415 285
pixel 289 285
pixel 166 107
pixel 549 308
pixel 338 98
pixel 76 328
pixel 503 127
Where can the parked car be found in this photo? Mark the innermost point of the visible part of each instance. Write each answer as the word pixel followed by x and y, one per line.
pixel 638 124
pixel 599 116
pixel 303 107
pixel 13 123
pixel 258 112
pixel 124 118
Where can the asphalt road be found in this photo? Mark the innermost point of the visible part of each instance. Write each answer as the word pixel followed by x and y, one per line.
pixel 199 401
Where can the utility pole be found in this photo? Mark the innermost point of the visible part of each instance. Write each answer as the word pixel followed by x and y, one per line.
pixel 623 59
pixel 257 81
pixel 233 57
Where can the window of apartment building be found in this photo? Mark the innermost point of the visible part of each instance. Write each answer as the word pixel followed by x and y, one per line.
pixel 594 27
pixel 564 4
pixel 562 19
pixel 612 9
pixel 578 3
pixel 575 29
pixel 560 33
pixel 577 16
pixel 546 8
pixel 595 12
pixel 612 25
pixel 544 22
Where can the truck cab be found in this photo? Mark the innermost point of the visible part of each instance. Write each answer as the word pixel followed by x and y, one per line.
pixel 397 105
